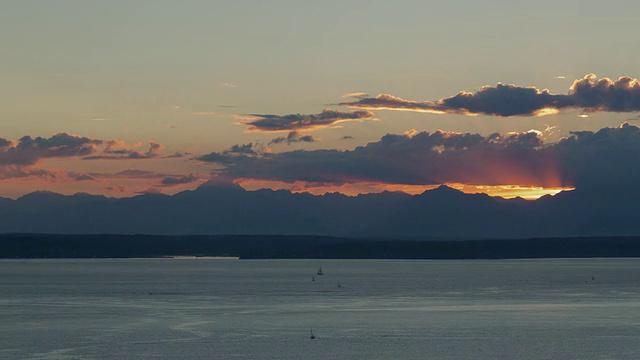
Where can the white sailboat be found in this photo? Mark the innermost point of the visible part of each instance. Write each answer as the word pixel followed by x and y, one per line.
pixel 312 336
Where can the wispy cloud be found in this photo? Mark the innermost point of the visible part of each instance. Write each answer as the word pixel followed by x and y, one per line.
pixel 293 137
pixel 588 94
pixel 119 150
pixel 356 95
pixel 139 174
pixel 295 122
pixel 129 174
pixel 205 113
pixel 227 85
pixel 19 171
pixel 81 177
pixel 170 181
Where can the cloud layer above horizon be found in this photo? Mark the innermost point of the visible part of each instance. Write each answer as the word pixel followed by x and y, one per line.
pixel 610 156
pixel 588 94
pixel 24 158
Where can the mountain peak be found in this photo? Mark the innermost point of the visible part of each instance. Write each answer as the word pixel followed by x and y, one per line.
pixel 444 190
pixel 39 194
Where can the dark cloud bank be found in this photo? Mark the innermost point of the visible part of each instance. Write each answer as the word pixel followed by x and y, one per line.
pixel 610 156
pixel 588 94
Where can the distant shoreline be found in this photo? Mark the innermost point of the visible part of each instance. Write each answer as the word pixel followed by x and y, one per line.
pixel 226 247
pixel 190 257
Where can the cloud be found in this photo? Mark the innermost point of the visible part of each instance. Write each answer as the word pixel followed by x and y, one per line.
pixel 609 156
pixel 23 158
pixel 244 149
pixel 291 138
pixel 81 177
pixel 173 181
pixel 130 174
pixel 358 95
pixel 588 94
pixel 120 188
pixel 233 155
pixel 29 151
pixel 295 122
pixel 421 158
pixel 19 171
pixel 6 144
pixel 119 150
pixel 166 180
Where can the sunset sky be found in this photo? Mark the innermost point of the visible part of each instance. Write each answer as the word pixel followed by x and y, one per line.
pixel 127 97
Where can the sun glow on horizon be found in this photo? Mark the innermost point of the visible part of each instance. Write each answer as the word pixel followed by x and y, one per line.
pixel 354 189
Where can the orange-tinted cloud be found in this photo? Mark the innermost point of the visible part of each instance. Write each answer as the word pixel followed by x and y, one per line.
pixel 588 94
pixel 359 95
pixel 20 171
pixel 119 150
pixel 81 177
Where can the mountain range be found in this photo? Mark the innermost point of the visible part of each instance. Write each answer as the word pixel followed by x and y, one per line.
pixel 442 213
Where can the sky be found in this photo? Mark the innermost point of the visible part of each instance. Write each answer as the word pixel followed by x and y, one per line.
pixel 504 97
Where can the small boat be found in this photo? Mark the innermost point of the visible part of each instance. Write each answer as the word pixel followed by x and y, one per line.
pixel 319 271
pixel 312 336
pixel 313 278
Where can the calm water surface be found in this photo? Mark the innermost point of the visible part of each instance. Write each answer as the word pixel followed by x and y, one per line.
pixel 366 309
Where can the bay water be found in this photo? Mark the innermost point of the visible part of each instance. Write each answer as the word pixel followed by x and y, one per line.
pixel 359 309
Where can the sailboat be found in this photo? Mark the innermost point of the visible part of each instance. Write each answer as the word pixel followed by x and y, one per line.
pixel 312 336
pixel 320 271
